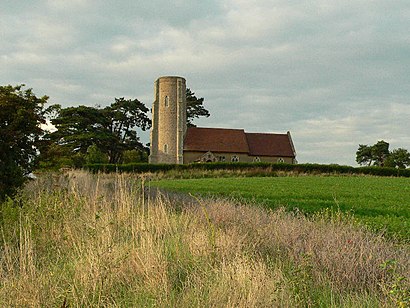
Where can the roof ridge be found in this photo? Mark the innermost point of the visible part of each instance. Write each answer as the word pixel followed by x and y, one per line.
pixel 266 134
pixel 221 128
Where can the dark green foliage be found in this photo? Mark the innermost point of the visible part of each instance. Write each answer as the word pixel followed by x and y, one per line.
pixel 134 156
pixel 21 114
pixel 379 155
pixel 78 128
pixel 111 129
pixel 380 152
pixel 253 168
pixel 11 178
pixel 195 108
pixel 124 117
pixel 95 156
pixel 399 158
pixel 364 155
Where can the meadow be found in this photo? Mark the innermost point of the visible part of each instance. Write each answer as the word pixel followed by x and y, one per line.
pixel 382 203
pixel 105 240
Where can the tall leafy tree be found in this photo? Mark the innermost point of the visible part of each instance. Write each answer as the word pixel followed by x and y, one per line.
pixel 364 155
pixel 124 116
pixel 195 107
pixel 379 155
pixel 21 116
pixel 78 128
pixel 373 155
pixel 380 152
pixel 398 158
pixel 112 129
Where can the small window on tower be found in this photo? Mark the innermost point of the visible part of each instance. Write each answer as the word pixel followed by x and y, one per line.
pixel 166 148
pixel 166 101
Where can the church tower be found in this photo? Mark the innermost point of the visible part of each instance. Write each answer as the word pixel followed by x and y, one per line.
pixel 168 120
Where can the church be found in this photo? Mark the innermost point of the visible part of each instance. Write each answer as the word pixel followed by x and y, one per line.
pixel 172 142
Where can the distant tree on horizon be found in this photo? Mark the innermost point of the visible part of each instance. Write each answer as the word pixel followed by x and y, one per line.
pixel 399 158
pixel 379 155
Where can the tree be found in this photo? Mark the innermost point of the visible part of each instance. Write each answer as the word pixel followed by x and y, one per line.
pixel 380 152
pixel 111 129
pixel 95 156
pixel 21 114
pixel 134 156
pixel 124 116
pixel 195 108
pixel 375 154
pixel 78 128
pixel 379 155
pixel 364 155
pixel 398 158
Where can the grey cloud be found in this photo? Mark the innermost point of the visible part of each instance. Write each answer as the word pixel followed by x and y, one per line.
pixel 335 74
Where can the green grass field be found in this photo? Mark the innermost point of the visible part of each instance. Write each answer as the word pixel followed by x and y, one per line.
pixel 379 202
pixel 77 239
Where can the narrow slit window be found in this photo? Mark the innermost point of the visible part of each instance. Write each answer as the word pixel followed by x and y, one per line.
pixel 166 101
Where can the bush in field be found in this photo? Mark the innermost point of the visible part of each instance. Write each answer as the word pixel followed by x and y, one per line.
pixel 253 169
pixel 134 156
pixel 95 155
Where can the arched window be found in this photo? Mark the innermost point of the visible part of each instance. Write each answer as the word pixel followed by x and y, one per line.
pixel 234 159
pixel 256 159
pixel 281 160
pixel 166 148
pixel 166 101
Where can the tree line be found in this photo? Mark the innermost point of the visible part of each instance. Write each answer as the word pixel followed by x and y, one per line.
pixel 380 155
pixel 108 134
pixel 83 134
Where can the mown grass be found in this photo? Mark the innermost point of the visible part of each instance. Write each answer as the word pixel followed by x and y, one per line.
pixel 81 240
pixel 379 202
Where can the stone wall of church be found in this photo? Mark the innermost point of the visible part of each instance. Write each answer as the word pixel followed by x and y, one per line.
pixel 192 157
pixel 169 120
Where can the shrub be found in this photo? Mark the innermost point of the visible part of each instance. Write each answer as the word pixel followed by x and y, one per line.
pixel 250 168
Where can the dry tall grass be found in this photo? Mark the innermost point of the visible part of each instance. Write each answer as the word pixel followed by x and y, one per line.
pixel 98 240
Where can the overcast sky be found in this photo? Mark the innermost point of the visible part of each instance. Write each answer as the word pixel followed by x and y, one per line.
pixel 336 74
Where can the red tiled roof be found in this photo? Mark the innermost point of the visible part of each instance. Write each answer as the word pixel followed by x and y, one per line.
pixel 270 145
pixel 216 140
pixel 237 141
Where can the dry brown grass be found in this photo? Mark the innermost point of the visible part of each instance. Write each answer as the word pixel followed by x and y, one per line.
pixel 98 240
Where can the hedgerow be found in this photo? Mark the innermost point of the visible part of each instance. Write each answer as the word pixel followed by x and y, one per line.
pixel 252 167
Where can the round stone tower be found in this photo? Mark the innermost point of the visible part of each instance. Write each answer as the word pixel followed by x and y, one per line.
pixel 168 120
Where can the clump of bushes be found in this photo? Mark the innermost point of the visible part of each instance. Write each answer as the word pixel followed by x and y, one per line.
pixel 250 169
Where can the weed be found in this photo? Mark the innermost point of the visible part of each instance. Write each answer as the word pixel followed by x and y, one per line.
pixel 94 240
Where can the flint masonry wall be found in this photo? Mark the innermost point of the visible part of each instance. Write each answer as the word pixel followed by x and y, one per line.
pixel 169 120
